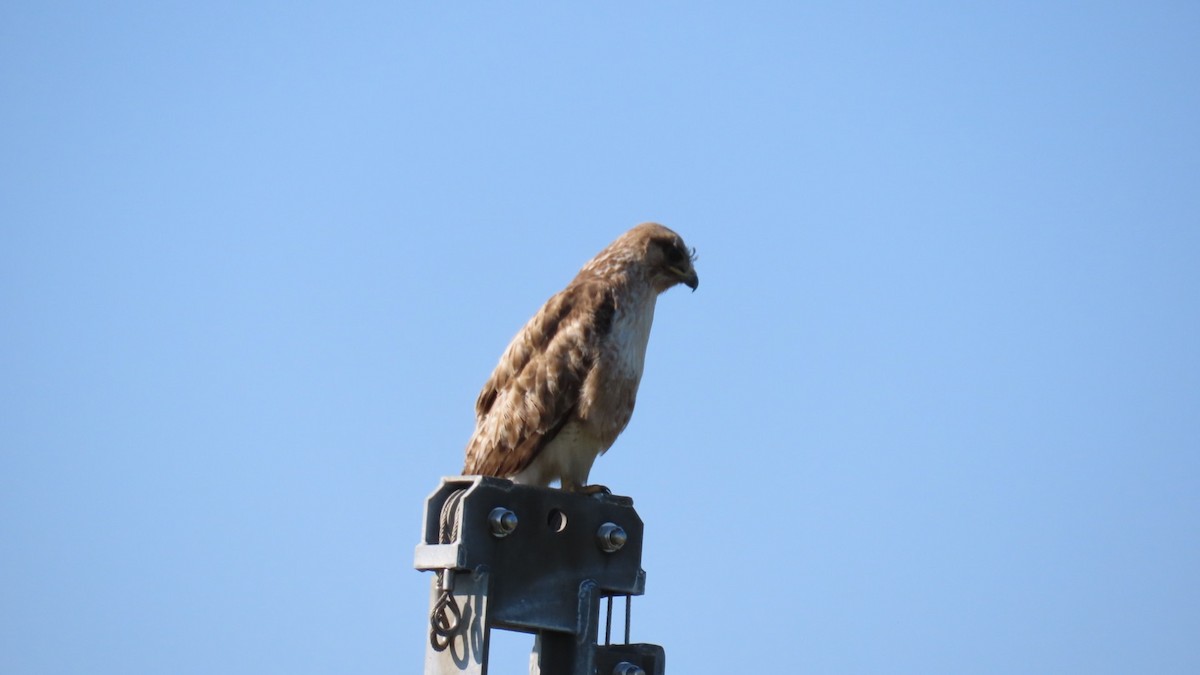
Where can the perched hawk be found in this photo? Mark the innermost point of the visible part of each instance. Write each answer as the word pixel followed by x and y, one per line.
pixel 565 387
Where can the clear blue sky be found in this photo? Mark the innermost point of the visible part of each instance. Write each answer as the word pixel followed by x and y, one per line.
pixel 935 407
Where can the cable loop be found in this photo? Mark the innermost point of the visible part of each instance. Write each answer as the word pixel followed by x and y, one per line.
pixel 442 625
pixel 445 617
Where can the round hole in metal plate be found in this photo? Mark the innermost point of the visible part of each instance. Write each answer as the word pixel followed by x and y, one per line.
pixel 557 520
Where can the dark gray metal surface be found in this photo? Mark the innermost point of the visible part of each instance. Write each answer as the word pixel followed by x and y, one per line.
pixel 651 658
pixel 547 575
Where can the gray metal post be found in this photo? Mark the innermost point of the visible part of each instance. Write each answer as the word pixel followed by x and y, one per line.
pixel 535 560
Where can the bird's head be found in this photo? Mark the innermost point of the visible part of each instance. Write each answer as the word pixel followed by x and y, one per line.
pixel 651 252
pixel 667 259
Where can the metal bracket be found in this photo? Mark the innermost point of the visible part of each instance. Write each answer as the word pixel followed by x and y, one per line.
pixel 535 560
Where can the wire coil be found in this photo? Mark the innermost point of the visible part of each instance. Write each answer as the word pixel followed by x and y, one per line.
pixel 446 617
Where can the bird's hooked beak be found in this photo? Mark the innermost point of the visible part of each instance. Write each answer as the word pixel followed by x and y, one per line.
pixel 687 277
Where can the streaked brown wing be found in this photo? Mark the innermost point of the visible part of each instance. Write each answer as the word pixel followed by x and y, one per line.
pixel 535 387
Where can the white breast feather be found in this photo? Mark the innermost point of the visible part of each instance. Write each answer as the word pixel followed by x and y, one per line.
pixel 631 334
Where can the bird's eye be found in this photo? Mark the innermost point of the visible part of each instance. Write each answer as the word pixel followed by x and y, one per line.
pixel 674 255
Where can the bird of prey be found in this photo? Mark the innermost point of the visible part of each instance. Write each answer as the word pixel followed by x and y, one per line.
pixel 565 387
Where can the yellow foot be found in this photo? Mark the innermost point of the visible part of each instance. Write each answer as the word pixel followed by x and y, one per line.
pixel 594 490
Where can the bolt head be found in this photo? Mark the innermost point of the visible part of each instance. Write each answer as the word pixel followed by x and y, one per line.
pixel 503 522
pixel 611 537
pixel 627 668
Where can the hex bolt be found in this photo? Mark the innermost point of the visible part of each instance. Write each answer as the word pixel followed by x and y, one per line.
pixel 627 668
pixel 503 522
pixel 611 537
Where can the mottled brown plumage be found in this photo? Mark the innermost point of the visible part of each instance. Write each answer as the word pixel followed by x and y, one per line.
pixel 566 386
